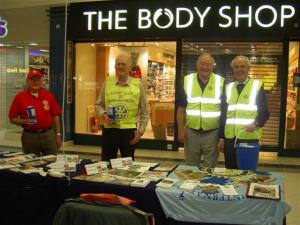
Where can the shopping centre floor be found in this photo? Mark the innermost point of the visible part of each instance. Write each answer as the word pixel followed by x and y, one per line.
pixel 288 167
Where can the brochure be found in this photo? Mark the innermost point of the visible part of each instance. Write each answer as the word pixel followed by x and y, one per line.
pixel 164 166
pixel 167 183
pixel 140 182
pixel 154 175
pixel 189 185
pixel 267 191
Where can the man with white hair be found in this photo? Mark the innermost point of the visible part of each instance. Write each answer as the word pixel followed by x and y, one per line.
pixel 199 111
pixel 244 112
pixel 127 95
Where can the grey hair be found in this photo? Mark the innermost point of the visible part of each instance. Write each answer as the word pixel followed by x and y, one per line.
pixel 242 57
pixel 206 54
pixel 122 56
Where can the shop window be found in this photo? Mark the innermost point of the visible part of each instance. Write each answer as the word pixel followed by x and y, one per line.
pixel 266 62
pixel 293 99
pixel 153 62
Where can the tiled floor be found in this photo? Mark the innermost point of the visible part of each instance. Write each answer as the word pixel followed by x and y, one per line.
pixel 288 167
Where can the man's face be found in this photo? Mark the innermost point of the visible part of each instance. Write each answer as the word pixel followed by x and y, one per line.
pixel 34 83
pixel 240 70
pixel 122 67
pixel 205 66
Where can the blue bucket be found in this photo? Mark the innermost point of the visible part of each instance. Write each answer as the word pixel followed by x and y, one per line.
pixel 247 155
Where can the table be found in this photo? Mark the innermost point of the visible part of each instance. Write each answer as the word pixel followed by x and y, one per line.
pixel 35 199
pixel 216 208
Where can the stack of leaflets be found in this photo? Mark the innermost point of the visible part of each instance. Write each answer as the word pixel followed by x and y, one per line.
pixel 154 175
pixel 140 182
pixel 188 174
pixel 20 158
pixel 6 165
pixel 189 185
pixel 124 173
pixel 94 168
pixel 137 168
pixel 65 163
pixel 164 166
pixel 219 171
pixel 209 188
pixel 167 183
pixel 121 162
pixel 228 190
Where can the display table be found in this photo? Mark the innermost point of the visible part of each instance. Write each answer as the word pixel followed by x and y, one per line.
pixel 198 207
pixel 35 200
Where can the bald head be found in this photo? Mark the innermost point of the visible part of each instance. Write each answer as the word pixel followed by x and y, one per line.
pixel 122 66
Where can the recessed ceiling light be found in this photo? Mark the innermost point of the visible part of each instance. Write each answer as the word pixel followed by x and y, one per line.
pixel 44 50
pixel 33 44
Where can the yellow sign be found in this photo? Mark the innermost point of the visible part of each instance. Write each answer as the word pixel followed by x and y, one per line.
pixel 16 70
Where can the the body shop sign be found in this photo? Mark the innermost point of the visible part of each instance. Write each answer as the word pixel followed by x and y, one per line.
pixel 3 28
pixel 190 19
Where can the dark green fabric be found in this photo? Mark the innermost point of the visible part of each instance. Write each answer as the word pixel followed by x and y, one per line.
pixel 77 213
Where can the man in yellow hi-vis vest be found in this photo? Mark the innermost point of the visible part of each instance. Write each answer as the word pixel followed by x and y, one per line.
pixel 198 113
pixel 127 96
pixel 244 112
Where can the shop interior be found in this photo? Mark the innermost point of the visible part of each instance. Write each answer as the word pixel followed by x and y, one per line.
pixel 293 99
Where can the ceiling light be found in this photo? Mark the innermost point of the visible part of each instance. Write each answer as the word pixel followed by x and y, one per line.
pixel 33 44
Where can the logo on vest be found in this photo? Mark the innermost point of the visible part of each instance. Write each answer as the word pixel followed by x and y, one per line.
pixel 121 112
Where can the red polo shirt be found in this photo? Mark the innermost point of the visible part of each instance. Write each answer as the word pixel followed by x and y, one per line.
pixel 45 107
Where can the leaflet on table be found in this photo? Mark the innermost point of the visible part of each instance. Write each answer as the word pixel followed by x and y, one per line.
pixel 189 185
pixel 20 158
pixel 67 158
pixel 140 182
pixel 219 171
pixel 95 168
pixel 228 190
pixel 6 165
pixel 8 154
pixel 167 183
pixel 137 168
pixel 165 167
pixel 267 191
pixel 61 166
pixel 124 173
pixel 145 164
pixel 190 174
pixel 209 188
pixel 121 162
pixel 154 175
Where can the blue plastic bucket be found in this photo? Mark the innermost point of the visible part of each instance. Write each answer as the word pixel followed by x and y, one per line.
pixel 247 155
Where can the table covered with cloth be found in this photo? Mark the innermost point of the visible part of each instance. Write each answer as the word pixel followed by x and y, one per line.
pixel 197 206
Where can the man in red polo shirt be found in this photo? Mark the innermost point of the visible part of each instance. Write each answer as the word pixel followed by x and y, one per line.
pixel 37 111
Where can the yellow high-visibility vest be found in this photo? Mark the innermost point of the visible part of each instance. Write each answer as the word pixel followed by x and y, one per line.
pixel 242 110
pixel 125 99
pixel 203 107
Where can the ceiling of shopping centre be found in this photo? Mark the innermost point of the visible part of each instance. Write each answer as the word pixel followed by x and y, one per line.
pixel 13 4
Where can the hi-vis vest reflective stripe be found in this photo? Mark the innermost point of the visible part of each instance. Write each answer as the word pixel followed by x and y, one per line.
pixel 242 110
pixel 203 108
pixel 126 101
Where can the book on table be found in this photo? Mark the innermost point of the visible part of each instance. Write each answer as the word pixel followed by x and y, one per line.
pixel 266 191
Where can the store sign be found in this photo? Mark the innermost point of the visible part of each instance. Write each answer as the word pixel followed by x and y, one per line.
pixel 228 16
pixel 184 19
pixel 16 70
pixel 3 28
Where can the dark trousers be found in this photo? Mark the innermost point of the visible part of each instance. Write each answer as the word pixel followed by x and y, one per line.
pixel 39 143
pixel 114 139
pixel 230 152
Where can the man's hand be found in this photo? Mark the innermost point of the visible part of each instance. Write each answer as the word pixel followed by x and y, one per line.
pixel 137 137
pixel 107 120
pixel 182 138
pixel 58 140
pixel 221 145
pixel 250 127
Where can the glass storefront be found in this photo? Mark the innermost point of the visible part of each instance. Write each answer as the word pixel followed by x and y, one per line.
pixel 20 51
pixel 292 131
pixel 266 62
pixel 153 62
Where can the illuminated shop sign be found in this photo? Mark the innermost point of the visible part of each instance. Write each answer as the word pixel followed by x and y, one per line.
pixel 216 19
pixel 3 28
pixel 183 17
